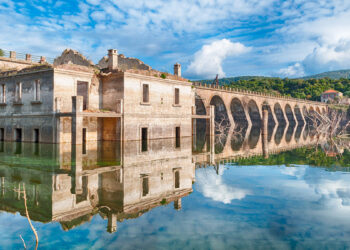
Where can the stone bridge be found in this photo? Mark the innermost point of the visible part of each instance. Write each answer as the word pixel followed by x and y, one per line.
pixel 258 144
pixel 246 107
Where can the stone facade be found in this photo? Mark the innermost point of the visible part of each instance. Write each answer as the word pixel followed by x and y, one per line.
pixel 73 101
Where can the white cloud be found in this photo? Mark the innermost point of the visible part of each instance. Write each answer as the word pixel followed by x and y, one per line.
pixel 208 60
pixel 292 71
pixel 212 186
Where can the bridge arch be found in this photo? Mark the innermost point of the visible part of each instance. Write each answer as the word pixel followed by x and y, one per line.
pixel 289 114
pixel 298 115
pixel 222 121
pixel 254 113
pixel 238 113
pixel 279 113
pixel 318 110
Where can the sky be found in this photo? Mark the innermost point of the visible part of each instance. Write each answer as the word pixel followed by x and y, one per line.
pixel 289 38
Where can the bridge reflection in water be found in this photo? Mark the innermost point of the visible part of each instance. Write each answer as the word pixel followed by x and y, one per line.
pixel 123 180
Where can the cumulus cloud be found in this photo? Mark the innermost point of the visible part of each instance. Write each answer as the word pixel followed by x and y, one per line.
pixel 208 60
pixel 212 186
pixel 291 71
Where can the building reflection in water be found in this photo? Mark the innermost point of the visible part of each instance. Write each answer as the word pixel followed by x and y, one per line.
pixel 118 180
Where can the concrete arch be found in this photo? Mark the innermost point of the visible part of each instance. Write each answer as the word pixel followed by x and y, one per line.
pixel 254 137
pixel 298 115
pixel 238 113
pixel 289 113
pixel 221 115
pixel 318 110
pixel 289 133
pixel 237 141
pixel 279 114
pixel 200 107
pixel 298 132
pixel 324 110
pixel 279 134
pixel 254 113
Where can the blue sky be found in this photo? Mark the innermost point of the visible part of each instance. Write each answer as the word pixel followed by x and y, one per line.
pixel 231 37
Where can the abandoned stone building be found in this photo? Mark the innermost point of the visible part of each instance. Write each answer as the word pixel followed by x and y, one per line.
pixel 72 100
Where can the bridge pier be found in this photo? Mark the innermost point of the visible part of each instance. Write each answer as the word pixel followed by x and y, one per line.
pixel 264 132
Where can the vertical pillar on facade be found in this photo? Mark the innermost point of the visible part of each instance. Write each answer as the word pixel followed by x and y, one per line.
pixel 77 120
pixel 177 204
pixel 265 121
pixel 76 169
pixel 2 186
pixel 112 222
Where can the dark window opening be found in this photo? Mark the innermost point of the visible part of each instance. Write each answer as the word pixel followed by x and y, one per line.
pixel 177 179
pixel 145 93
pixel 2 134
pixel 82 90
pixel 84 140
pixel 144 138
pixel 177 96
pixel 36 135
pixel 18 134
pixel 177 137
pixel 145 186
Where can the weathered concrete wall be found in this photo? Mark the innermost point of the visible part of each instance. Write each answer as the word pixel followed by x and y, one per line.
pixel 112 91
pixel 8 63
pixel 65 86
pixel 28 114
pixel 160 115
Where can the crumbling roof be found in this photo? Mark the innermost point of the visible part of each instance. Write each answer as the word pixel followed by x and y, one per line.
pixel 70 56
pixel 125 63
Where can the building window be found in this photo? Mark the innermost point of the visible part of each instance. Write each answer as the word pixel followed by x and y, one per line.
pixel 37 90
pixel 18 92
pixel 82 90
pixel 18 134
pixel 177 96
pixel 36 135
pixel 3 94
pixel 177 137
pixel 177 179
pixel 84 140
pixel 2 134
pixel 145 93
pixel 144 139
pixel 145 186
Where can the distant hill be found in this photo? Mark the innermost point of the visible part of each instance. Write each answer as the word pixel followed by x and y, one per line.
pixel 228 80
pixel 331 74
pixel 335 75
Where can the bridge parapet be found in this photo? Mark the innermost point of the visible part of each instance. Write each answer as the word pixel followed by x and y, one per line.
pixel 253 93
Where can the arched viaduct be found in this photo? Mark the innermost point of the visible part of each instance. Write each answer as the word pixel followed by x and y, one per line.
pixel 246 107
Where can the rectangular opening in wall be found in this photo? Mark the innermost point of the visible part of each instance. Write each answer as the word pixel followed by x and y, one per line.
pixel 145 93
pixel 82 90
pixel 145 186
pixel 144 139
pixel 18 135
pixel 177 96
pixel 84 140
pixel 36 135
pixel 177 179
pixel 2 134
pixel 177 137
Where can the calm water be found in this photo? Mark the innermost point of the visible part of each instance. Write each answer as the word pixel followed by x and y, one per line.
pixel 116 196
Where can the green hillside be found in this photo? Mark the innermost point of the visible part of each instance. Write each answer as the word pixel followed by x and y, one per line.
pixel 310 89
pixel 338 74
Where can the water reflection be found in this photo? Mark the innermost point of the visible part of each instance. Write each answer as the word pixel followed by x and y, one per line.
pixel 105 185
